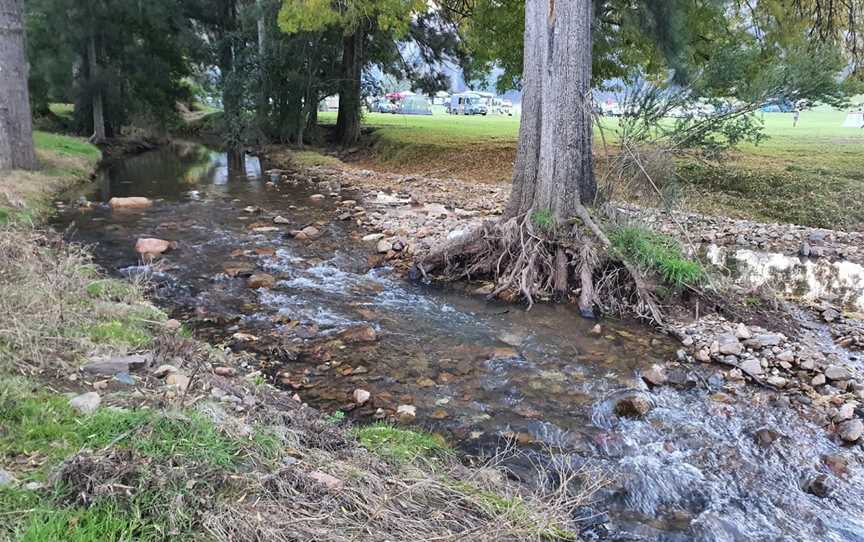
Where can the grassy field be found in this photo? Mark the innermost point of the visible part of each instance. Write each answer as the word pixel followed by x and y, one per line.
pixel 810 174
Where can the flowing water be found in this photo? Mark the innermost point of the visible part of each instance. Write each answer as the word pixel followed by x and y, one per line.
pixel 482 373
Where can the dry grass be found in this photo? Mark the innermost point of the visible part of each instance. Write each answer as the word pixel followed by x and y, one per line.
pixel 56 308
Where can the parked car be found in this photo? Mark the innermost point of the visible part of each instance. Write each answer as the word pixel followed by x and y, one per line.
pixel 384 106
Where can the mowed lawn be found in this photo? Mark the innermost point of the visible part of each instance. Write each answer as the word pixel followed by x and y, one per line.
pixel 812 174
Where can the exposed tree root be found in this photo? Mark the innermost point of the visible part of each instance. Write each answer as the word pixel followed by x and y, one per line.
pixel 529 262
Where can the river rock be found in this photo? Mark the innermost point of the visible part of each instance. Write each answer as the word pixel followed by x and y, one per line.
pixel 406 413
pixel 729 345
pixel 224 371
pixel 786 356
pixel 633 406
pixel 261 280
pixel 777 381
pixel 837 463
pixel 819 485
pixel 307 234
pixel 86 403
pixel 317 197
pixel 763 340
pixel 117 364
pixel 280 220
pixel 152 247
pixel 361 396
pixel 178 380
pixel 373 237
pixel 818 380
pixel 135 202
pixel 358 334
pixel 384 246
pixel 743 332
pixel 838 372
pixel 655 375
pixel 850 430
pixel 845 412
pixel 238 269
pixel 751 366
pixel 765 436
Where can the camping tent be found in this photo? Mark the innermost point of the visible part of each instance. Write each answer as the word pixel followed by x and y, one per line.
pixel 415 105
pixel 855 119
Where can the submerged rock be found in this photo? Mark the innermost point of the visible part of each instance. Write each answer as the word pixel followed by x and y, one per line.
pixel 633 406
pixel 261 280
pixel 850 430
pixel 655 375
pixel 819 485
pixel 359 334
pixel 135 202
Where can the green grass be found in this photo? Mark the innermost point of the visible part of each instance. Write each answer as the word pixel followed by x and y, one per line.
pixel 656 252
pixel 400 445
pixel 118 333
pixel 65 145
pixel 109 289
pixel 100 523
pixel 43 427
pixel 64 111
pixel 811 174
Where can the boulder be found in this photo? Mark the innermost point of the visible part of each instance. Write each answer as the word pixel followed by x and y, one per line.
pixel 86 403
pixel 850 430
pixel 135 202
pixel 261 280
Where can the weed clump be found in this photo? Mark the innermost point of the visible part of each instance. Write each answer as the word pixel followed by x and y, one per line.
pixel 656 252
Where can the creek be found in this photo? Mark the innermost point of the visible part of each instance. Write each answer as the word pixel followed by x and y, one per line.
pixel 484 374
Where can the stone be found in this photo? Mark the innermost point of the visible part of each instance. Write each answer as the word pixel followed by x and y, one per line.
pixel 280 220
pixel 151 247
pixel 850 430
pixel 845 412
pixel 729 345
pixel 7 479
pixel 655 375
pixel 837 463
pixel 765 436
pixel 425 382
pixel 818 380
pixel 361 396
pixel 261 280
pixel 265 229
pixel 777 381
pixel 117 364
pixel 406 413
pixel 238 269
pixel 373 237
pixel 703 355
pixel 86 403
pixel 224 371
pixel 317 197
pixel 164 370
pixel 819 485
pixel 786 356
pixel 358 334
pixel 311 232
pixel 596 330
pixel 633 406
pixel 135 202
pixel 173 324
pixel 383 246
pixel 327 480
pixel 830 315
pixel 751 366
pixel 743 332
pixel 763 340
pixel 838 372
pixel 178 380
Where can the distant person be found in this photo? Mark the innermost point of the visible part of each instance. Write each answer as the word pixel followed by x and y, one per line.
pixel 795 116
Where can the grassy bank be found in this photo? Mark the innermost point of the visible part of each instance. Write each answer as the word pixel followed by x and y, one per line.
pixel 173 450
pixel 810 174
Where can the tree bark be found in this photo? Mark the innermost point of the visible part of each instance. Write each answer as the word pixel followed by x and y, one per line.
pixel 16 124
pixel 554 165
pixel 348 118
pixel 98 109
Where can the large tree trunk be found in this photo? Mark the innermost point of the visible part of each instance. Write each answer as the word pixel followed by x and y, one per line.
pixel 554 167
pixel 98 109
pixel 16 125
pixel 348 118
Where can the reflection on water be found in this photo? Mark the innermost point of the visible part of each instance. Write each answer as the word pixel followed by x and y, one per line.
pixel 802 278
pixel 691 470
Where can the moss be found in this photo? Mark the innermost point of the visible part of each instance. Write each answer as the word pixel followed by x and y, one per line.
pixel 659 253
pixel 400 445
pixel 543 219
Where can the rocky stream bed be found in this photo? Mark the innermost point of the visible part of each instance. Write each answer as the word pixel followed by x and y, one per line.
pixel 719 430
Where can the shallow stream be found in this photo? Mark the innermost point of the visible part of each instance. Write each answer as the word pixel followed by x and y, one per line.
pixel 481 373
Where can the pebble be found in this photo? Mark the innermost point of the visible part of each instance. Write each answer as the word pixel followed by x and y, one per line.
pixel 361 396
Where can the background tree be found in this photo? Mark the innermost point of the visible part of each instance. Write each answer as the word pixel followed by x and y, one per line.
pixel 16 131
